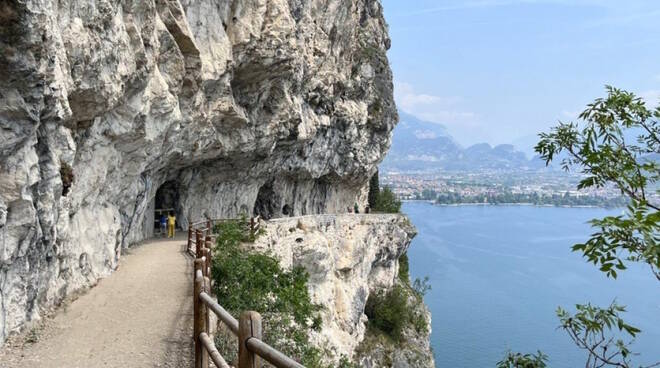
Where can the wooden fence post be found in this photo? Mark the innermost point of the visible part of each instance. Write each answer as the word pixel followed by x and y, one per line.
pixel 198 265
pixel 205 257
pixel 198 243
pixel 204 316
pixel 207 316
pixel 249 325
pixel 189 238
pixel 198 321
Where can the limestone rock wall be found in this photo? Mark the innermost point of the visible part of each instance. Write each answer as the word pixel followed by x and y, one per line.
pixel 348 257
pixel 248 105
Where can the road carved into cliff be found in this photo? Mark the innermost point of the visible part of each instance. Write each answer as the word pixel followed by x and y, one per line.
pixel 140 316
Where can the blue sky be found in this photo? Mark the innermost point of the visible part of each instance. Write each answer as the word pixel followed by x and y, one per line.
pixel 499 70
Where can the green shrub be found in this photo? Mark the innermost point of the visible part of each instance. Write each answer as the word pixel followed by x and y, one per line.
pixel 404 269
pixel 345 363
pixel 392 312
pixel 387 202
pixel 389 311
pixel 256 281
pixel 421 286
pixel 235 232
pixel 374 190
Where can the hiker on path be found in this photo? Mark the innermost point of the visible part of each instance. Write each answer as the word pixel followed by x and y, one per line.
pixel 163 224
pixel 171 221
pixel 356 208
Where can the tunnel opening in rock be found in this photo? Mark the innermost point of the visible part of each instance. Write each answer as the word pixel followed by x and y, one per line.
pixel 166 202
pixel 267 203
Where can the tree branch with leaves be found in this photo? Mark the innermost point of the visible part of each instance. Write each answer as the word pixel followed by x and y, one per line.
pixel 616 143
pixel 592 329
pixel 600 148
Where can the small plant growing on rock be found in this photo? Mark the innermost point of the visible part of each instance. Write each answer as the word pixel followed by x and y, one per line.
pixel 404 269
pixel 66 174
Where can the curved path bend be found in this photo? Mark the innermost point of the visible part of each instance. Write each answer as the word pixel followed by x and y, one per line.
pixel 140 316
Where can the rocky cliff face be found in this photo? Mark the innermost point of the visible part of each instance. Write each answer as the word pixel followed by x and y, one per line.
pixel 264 106
pixel 348 258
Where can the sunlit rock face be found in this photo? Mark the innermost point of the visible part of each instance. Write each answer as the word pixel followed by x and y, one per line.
pixel 348 257
pixel 256 106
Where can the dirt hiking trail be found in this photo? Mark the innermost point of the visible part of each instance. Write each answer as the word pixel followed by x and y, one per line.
pixel 140 316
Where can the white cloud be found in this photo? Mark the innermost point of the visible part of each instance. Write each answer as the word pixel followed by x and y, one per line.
pixel 570 115
pixel 408 99
pixel 462 5
pixel 449 117
pixel 438 109
pixel 468 5
pixel 465 126
pixel 651 97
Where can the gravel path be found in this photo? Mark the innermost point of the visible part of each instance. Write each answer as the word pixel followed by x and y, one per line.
pixel 140 316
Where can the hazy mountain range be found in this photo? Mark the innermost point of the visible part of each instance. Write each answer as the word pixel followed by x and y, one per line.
pixel 419 145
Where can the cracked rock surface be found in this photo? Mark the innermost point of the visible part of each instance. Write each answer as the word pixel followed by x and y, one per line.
pixel 348 257
pixel 257 106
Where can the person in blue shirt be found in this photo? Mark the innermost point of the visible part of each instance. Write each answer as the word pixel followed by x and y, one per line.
pixel 163 224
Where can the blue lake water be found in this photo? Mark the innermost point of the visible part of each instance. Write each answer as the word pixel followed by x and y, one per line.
pixel 499 272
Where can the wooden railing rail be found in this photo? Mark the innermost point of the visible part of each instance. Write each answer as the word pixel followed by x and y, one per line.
pixel 214 354
pixel 224 316
pixel 248 329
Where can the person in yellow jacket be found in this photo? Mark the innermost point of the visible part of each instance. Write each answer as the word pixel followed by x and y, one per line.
pixel 171 221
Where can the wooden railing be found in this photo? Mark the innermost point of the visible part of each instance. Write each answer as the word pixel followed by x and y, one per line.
pixel 201 232
pixel 248 329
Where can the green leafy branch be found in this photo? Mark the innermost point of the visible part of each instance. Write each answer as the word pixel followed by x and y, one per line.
pixel 598 147
pixel 518 360
pixel 590 329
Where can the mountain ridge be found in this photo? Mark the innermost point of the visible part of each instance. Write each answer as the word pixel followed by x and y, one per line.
pixel 419 145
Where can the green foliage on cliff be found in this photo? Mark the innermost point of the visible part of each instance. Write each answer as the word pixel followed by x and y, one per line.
pixel 387 311
pixel 255 281
pixel 234 232
pixel 387 202
pixel 382 200
pixel 404 269
pixel 397 330
pixel 396 311
pixel 374 190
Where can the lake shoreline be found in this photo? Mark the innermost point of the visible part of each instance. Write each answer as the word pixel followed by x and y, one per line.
pixel 504 204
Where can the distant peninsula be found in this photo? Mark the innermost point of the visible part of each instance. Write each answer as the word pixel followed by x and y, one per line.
pixel 536 199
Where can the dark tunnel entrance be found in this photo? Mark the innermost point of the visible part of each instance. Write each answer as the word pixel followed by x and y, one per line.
pixel 270 204
pixel 166 202
pixel 267 203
